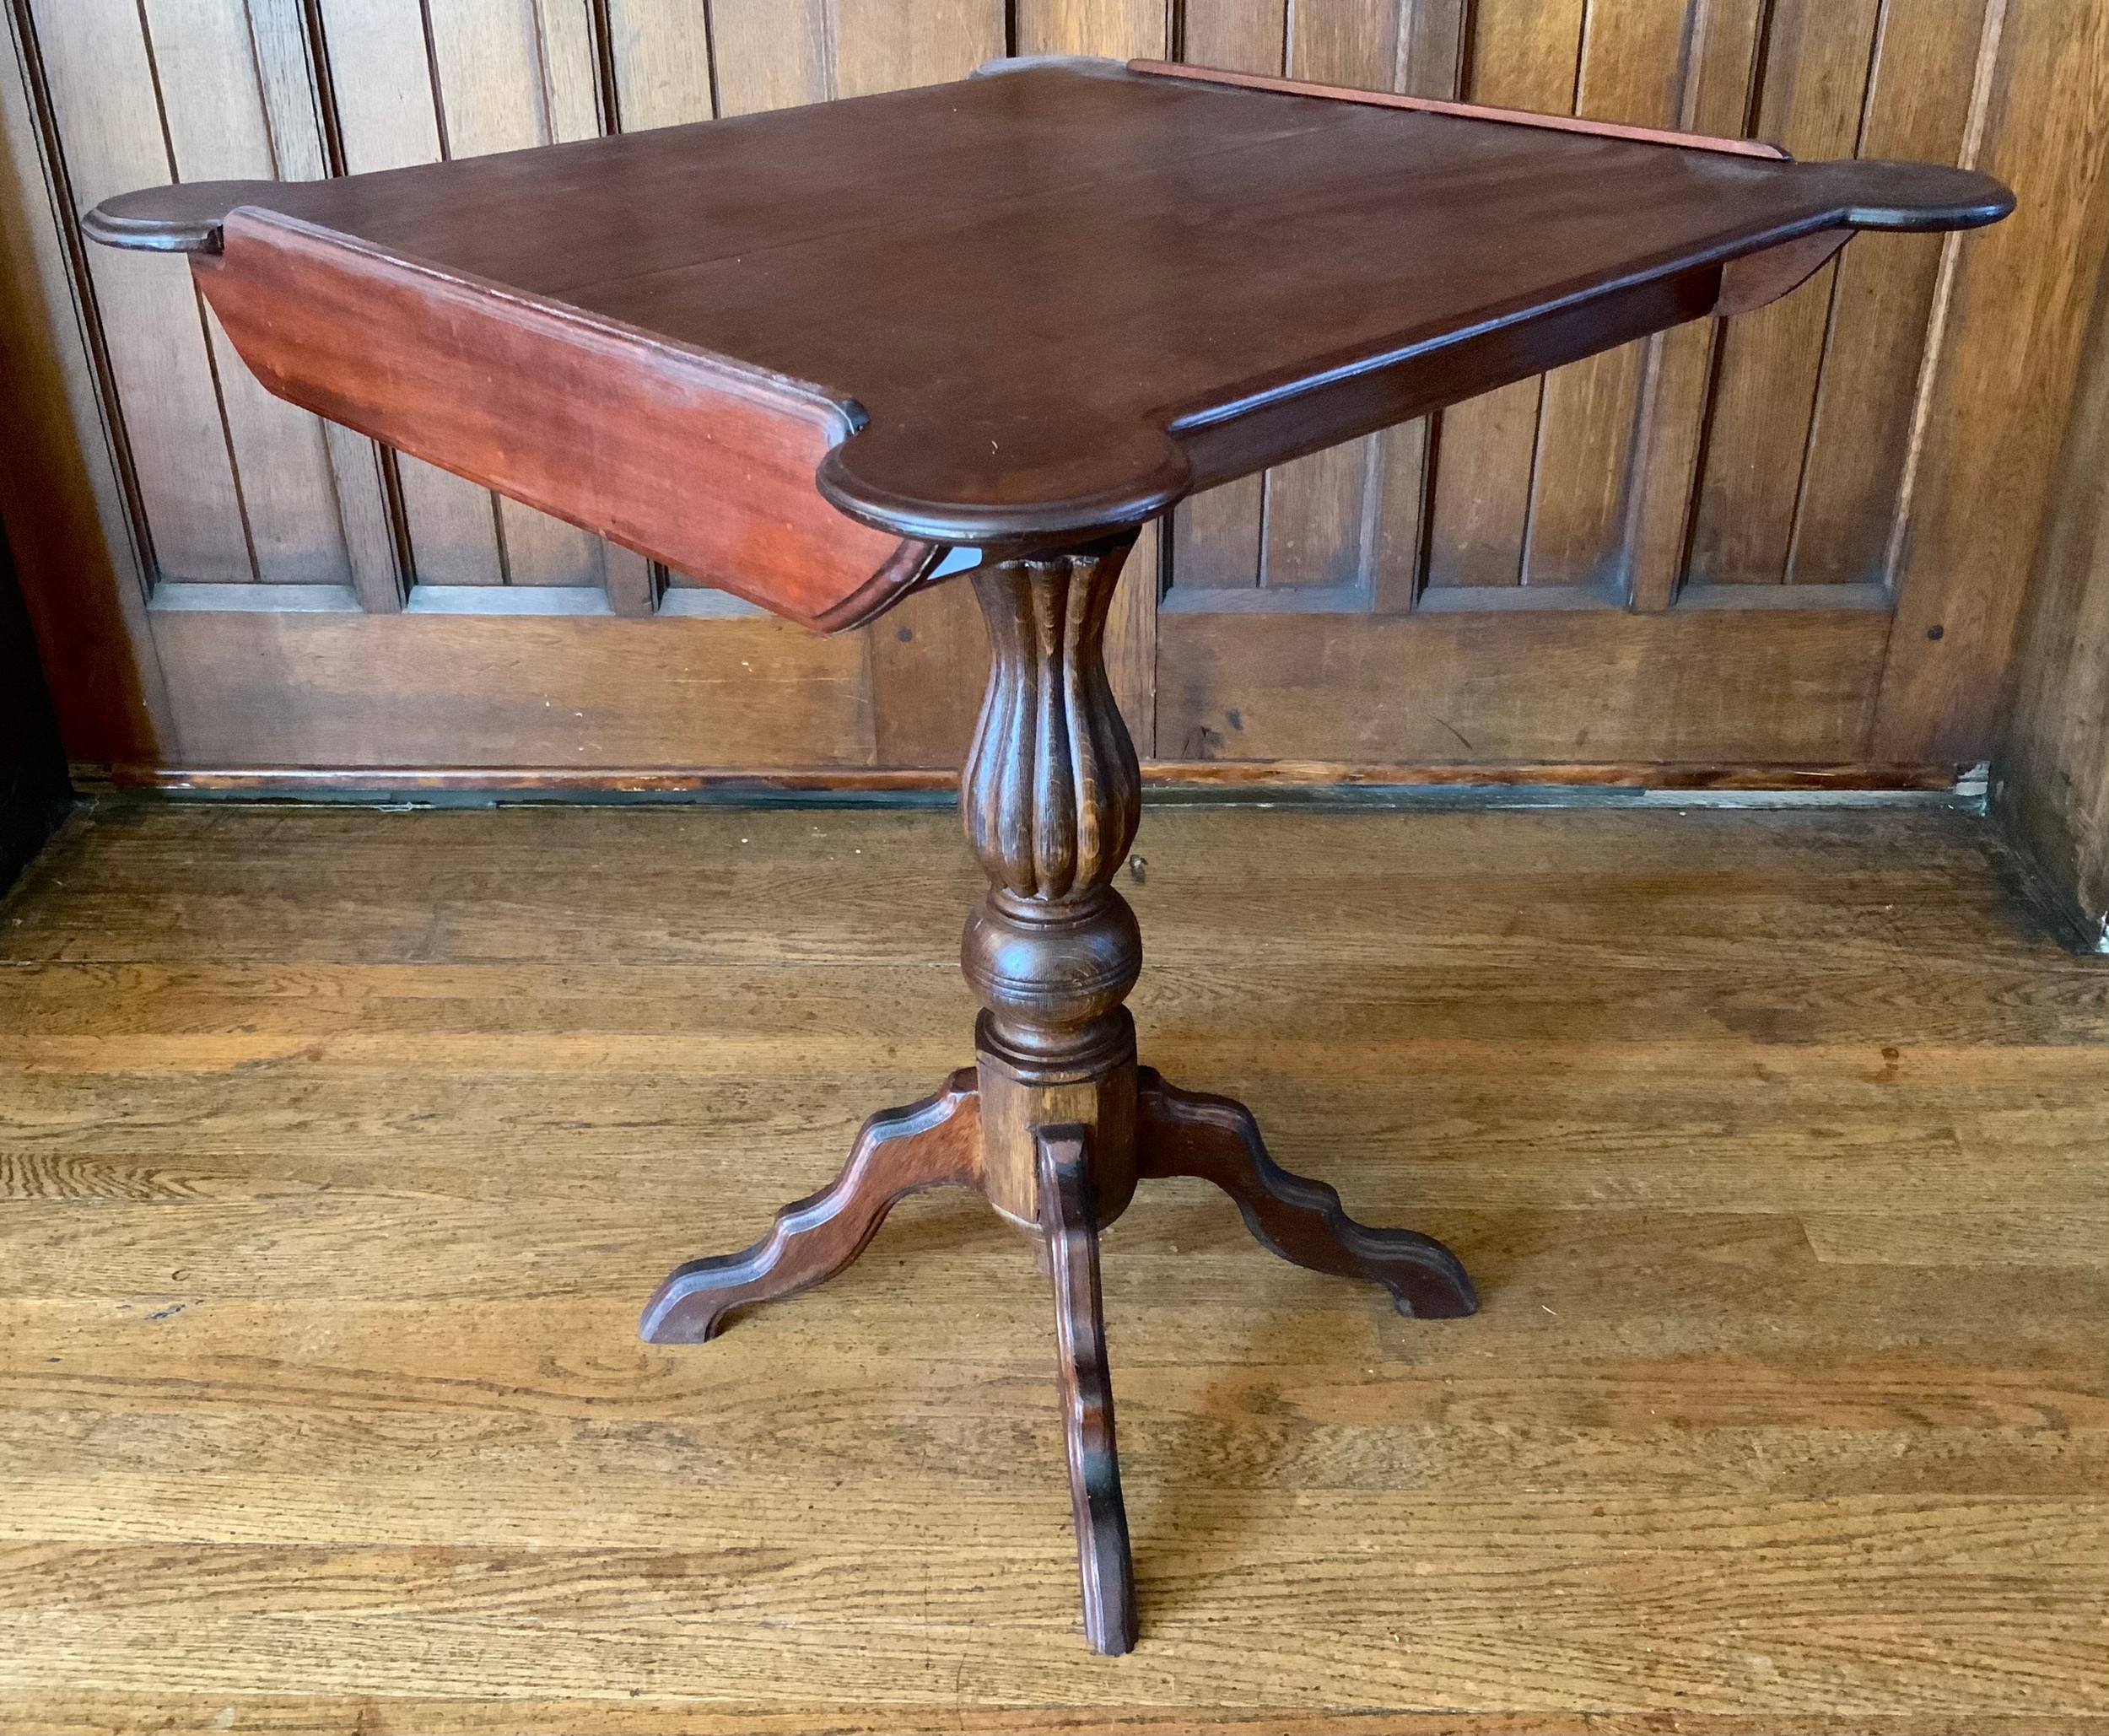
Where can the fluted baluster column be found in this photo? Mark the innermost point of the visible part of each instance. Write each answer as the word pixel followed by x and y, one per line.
pixel 1051 795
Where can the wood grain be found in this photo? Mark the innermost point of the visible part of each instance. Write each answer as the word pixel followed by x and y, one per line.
pixel 2050 784
pixel 387 113
pixel 1216 535
pixel 509 78
pixel 1994 415
pixel 1774 1142
pixel 1121 30
pixel 440 690
pixel 1922 90
pixel 580 416
pixel 1722 50
pixel 99 80
pixel 208 78
pixel 1634 63
pixel 1070 1220
pixel 1524 56
pixel 1478 686
pixel 1813 100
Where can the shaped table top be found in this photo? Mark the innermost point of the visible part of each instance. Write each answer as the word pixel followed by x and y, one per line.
pixel 1033 305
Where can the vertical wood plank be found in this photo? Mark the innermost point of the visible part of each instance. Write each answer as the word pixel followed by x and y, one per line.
pixel 1131 639
pixel 1312 528
pixel 1215 537
pixel 285 74
pixel 101 86
pixel 1482 487
pixel 893 44
pixel 357 468
pixel 1632 56
pixel 661 59
pixel 512 74
pixel 1355 44
pixel 1918 107
pixel 1432 40
pixel 1524 55
pixel 661 54
pixel 382 83
pixel 68 517
pixel 292 108
pixel 1237 36
pixel 2015 323
pixel 1316 522
pixel 219 129
pixel 1399 523
pixel 1722 60
pixel 1352 515
pixel 770 54
pixel 1124 30
pixel 1814 96
pixel 925 662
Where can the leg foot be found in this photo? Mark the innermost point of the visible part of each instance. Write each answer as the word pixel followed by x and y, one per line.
pixel 1190 1132
pixel 1068 1214
pixel 932 1144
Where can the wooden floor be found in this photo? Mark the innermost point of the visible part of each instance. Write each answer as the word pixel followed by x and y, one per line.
pixel 338 1149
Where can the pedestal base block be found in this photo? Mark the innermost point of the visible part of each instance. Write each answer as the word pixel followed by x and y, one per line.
pixel 1017 1103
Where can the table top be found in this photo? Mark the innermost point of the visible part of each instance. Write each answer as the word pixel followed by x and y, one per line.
pixel 1053 299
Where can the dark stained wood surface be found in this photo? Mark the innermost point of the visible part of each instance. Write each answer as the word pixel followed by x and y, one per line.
pixel 1070 1220
pixel 935 1143
pixel 1217 1138
pixel 1068 294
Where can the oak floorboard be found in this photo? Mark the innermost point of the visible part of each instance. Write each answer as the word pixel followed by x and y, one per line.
pixel 338 1149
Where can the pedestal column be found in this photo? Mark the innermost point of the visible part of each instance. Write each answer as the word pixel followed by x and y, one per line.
pixel 1051 795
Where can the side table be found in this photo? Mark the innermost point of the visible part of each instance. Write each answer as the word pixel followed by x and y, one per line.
pixel 823 357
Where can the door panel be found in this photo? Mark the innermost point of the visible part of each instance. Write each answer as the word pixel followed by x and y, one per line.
pixel 1794 540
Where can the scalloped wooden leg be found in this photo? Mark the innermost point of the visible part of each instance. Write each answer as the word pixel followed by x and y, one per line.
pixel 1068 1215
pixel 932 1144
pixel 1191 1133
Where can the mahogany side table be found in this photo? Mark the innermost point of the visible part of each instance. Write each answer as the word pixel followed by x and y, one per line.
pixel 823 357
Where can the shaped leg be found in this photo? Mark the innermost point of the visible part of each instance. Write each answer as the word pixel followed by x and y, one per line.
pixel 1068 1215
pixel 933 1144
pixel 1191 1133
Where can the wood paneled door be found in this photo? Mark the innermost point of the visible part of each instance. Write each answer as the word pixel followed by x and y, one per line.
pixel 1791 541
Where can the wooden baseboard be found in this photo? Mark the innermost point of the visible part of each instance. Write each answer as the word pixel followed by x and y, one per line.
pixel 2041 866
pixel 1164 779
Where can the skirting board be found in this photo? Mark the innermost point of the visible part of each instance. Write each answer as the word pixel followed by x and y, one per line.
pixel 1301 783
